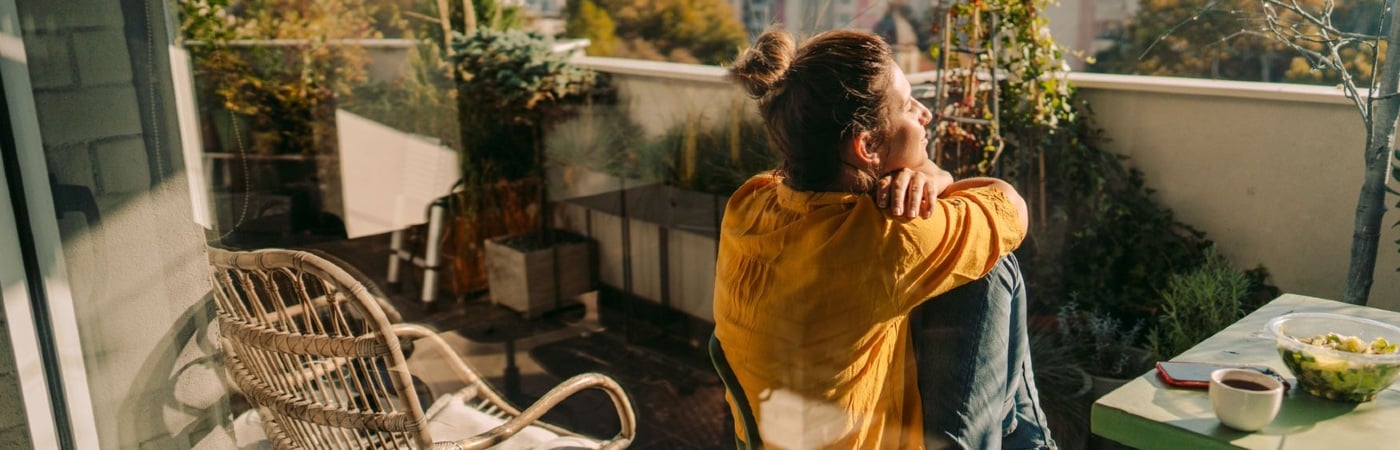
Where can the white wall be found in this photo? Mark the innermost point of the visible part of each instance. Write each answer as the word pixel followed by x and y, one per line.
pixel 1271 172
pixel 660 94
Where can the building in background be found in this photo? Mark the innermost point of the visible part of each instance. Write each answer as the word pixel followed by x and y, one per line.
pixel 809 17
pixel 547 8
pixel 900 22
pixel 546 16
pixel 1085 27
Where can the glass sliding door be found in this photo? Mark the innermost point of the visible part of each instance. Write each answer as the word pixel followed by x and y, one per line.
pixel 121 258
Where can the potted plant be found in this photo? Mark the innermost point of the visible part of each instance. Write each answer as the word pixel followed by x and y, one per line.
pixel 1108 348
pixel 510 86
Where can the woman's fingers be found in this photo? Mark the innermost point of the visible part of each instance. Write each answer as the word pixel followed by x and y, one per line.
pixel 906 192
pixel 882 192
pixel 918 184
pixel 899 191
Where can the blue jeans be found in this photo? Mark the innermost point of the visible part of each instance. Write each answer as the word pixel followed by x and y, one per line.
pixel 974 366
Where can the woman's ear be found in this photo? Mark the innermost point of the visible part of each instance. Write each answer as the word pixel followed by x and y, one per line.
pixel 860 152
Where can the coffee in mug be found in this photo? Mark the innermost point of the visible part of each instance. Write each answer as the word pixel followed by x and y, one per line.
pixel 1244 399
pixel 1245 384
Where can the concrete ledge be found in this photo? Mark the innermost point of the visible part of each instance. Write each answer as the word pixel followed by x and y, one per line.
pixel 1136 83
pixel 657 69
pixel 1199 87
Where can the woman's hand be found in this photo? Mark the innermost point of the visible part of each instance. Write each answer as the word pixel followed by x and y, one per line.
pixel 908 192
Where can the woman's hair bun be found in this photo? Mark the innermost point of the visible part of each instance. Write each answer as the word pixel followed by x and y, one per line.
pixel 763 66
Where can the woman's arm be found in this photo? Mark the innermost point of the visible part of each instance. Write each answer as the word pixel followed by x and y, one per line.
pixel 1022 214
pixel 910 192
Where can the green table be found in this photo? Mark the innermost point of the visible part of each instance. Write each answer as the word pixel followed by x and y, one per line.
pixel 1147 413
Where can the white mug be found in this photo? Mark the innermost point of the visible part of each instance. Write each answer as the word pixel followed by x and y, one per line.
pixel 1244 399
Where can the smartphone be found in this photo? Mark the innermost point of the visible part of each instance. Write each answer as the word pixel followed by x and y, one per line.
pixel 1197 374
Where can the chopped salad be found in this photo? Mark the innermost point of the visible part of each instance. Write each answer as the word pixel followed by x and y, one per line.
pixel 1352 344
pixel 1338 378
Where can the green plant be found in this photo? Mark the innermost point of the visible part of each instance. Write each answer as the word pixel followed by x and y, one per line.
pixel 685 31
pixel 604 138
pixel 588 21
pixel 1104 344
pixel 1198 304
pixel 276 63
pixel 713 156
pixel 510 84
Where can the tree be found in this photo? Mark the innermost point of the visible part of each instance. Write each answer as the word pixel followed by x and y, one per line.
pixel 689 31
pixel 1313 33
pixel 587 20
pixel 1219 39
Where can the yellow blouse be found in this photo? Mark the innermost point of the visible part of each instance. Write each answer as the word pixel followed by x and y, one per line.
pixel 812 294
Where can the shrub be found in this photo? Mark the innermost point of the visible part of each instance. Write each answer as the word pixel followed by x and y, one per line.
pixel 1198 304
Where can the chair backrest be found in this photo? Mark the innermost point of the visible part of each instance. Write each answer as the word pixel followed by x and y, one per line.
pixel 309 345
pixel 736 392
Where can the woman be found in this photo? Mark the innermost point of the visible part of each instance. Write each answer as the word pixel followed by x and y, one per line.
pixel 823 261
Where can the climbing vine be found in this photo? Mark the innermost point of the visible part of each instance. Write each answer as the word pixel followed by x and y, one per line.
pixel 1007 109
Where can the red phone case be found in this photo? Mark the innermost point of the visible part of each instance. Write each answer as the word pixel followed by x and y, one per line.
pixel 1180 383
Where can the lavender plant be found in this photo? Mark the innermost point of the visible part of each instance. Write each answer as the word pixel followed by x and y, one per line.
pixel 1105 344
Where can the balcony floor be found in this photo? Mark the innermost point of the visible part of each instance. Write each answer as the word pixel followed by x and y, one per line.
pixel 678 399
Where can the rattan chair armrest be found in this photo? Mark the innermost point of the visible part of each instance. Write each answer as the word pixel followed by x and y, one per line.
pixel 464 372
pixel 414 331
pixel 625 414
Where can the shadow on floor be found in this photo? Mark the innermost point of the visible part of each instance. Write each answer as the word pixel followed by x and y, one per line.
pixel 678 399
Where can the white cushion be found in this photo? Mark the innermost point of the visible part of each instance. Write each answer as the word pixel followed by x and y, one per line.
pixel 450 419
pixel 567 443
pixel 246 434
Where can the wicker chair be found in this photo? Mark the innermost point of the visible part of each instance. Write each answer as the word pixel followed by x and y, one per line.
pixel 332 378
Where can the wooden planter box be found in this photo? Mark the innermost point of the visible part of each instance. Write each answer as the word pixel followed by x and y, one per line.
pixel 672 236
pixel 525 280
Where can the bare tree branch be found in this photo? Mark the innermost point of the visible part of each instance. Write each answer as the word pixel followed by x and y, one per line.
pixel 1178 26
pixel 1326 35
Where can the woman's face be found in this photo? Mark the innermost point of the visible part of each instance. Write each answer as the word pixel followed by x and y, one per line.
pixel 906 145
